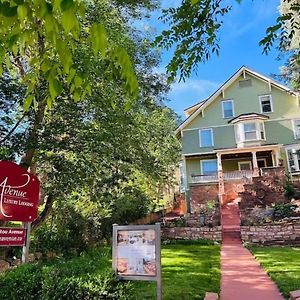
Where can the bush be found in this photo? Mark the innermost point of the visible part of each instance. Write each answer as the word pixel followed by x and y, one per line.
pixel 88 277
pixel 283 210
pixel 289 190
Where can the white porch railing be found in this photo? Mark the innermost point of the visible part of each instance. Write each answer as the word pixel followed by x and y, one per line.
pixel 204 178
pixel 226 176
pixel 237 174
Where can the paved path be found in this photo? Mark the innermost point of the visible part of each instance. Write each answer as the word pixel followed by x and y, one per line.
pixel 242 277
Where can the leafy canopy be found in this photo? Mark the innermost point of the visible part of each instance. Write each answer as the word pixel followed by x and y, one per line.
pixel 38 41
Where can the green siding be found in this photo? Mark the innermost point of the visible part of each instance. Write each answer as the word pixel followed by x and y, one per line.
pixel 246 100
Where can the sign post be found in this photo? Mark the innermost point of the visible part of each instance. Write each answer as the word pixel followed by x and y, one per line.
pixel 25 249
pixel 136 253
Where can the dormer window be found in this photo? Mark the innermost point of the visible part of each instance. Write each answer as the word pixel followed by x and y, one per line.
pixel 266 104
pixel 227 109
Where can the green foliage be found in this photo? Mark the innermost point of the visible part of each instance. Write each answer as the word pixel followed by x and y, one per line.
pixel 87 277
pixel 284 210
pixel 289 190
pixel 194 33
pixel 62 233
pixel 40 39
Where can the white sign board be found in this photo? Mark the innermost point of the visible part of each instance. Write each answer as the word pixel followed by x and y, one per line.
pixel 136 253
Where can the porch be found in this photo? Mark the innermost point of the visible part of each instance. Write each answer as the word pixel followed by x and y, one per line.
pixel 233 164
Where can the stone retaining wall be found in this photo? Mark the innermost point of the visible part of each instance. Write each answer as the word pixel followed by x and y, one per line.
pixel 193 233
pixel 272 234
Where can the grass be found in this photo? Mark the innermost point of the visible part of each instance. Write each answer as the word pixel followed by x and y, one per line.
pixel 188 269
pixel 282 264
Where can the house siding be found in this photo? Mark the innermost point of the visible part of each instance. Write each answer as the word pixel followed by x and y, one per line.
pixel 278 128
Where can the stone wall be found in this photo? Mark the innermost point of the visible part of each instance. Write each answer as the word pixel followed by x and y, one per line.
pixel 281 234
pixel 202 193
pixel 193 233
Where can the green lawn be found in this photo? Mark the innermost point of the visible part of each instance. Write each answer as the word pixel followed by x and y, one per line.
pixel 188 270
pixel 282 264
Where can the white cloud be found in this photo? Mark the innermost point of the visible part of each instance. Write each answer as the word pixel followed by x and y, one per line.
pixel 190 92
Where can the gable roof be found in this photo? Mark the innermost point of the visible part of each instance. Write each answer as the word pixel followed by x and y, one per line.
pixel 202 105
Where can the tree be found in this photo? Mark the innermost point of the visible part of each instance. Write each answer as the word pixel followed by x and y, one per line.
pixel 194 28
pixel 98 150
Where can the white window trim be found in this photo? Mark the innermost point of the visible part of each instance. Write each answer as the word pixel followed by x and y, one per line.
pixel 271 103
pixel 239 130
pixel 294 129
pixel 245 162
pixel 233 112
pixel 296 147
pixel 256 131
pixel 205 160
pixel 212 137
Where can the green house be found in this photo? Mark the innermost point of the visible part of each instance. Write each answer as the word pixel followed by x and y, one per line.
pixel 249 124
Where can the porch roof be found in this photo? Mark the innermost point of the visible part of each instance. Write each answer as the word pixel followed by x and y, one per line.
pixel 249 149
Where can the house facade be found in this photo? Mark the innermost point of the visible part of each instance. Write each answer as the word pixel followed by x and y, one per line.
pixel 250 123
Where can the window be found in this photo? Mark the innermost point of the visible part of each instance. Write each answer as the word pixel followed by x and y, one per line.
pixel 227 108
pixel 293 156
pixel 209 167
pixel 250 131
pixel 206 137
pixel 245 83
pixel 296 126
pixel 245 165
pixel 266 104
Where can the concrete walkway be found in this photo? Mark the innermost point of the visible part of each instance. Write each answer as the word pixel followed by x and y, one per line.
pixel 242 278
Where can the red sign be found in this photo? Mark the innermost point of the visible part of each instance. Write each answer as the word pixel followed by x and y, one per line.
pixel 19 193
pixel 12 236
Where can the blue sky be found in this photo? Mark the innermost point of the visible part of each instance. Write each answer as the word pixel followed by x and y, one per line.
pixel 243 28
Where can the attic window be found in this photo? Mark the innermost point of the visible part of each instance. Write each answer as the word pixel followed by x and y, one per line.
pixel 245 83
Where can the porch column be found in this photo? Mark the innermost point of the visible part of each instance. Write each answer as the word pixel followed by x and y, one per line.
pixel 220 177
pixel 254 163
pixel 186 185
pixel 277 157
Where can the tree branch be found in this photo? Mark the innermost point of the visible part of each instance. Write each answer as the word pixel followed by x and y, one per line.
pixel 13 129
pixel 44 214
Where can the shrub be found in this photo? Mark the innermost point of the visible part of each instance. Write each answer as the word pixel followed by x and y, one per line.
pixel 88 277
pixel 283 210
pixel 289 190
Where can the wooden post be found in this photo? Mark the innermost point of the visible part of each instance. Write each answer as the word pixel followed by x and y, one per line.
pixel 158 260
pixel 25 249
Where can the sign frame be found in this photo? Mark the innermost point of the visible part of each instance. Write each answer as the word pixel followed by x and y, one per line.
pixel 157 277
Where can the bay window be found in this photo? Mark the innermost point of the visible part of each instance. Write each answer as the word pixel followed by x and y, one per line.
pixel 249 131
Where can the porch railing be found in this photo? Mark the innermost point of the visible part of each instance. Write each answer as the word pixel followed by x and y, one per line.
pixel 226 176
pixel 204 178
pixel 237 174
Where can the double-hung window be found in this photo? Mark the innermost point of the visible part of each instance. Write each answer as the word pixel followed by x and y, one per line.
pixel 296 126
pixel 206 137
pixel 250 131
pixel 209 167
pixel 266 105
pixel 227 109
